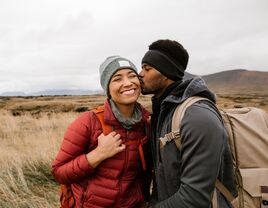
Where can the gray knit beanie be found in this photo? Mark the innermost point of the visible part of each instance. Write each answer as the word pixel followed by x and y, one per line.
pixel 110 66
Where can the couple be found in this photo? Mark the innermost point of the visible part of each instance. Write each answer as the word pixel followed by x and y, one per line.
pixel 109 170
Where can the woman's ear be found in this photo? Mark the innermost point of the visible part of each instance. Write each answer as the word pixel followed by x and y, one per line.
pixel 108 93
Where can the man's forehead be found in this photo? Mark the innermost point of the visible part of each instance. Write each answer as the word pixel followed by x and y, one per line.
pixel 145 65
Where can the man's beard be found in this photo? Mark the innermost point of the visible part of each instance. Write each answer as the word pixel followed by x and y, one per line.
pixel 148 91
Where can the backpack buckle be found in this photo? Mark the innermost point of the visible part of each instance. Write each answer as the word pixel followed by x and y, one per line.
pixel 168 138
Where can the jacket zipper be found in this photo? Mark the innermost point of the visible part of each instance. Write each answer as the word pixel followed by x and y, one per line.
pixel 126 154
pixel 125 165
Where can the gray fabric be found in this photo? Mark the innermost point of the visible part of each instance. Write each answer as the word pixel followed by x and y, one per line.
pixel 110 66
pixel 127 123
pixel 186 177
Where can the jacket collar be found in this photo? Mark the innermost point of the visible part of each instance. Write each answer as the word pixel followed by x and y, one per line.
pixel 193 87
pixel 109 117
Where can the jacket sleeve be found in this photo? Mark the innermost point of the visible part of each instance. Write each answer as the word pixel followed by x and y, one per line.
pixel 203 135
pixel 70 164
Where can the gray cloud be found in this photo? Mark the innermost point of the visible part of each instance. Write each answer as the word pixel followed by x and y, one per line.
pixel 58 44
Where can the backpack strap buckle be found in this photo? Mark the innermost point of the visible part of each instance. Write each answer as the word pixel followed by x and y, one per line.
pixel 174 135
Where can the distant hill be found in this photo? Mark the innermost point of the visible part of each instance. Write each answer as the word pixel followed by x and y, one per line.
pixel 16 93
pixel 188 76
pixel 66 92
pixel 238 81
pixel 53 92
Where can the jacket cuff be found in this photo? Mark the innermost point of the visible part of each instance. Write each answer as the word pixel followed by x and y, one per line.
pixel 84 165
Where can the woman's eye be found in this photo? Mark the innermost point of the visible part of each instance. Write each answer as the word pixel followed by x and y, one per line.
pixel 116 80
pixel 133 76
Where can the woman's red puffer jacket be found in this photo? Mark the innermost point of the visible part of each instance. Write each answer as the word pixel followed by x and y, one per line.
pixel 117 181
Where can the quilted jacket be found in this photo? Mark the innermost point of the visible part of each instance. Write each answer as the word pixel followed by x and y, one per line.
pixel 116 182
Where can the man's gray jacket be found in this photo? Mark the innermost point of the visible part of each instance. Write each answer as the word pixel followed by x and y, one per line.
pixel 186 178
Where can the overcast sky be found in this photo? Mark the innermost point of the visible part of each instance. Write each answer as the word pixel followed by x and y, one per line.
pixel 59 44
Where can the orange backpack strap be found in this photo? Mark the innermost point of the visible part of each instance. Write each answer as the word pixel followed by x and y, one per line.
pixel 139 143
pixel 99 112
pixel 66 196
pixel 142 142
pixel 106 128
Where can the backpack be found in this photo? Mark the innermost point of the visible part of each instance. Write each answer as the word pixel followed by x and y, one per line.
pixel 66 195
pixel 247 130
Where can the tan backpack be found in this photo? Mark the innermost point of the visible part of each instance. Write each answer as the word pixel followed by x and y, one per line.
pixel 248 139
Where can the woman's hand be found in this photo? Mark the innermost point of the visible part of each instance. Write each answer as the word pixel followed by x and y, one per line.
pixel 108 146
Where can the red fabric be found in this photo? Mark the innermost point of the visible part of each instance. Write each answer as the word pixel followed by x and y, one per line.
pixel 140 143
pixel 117 181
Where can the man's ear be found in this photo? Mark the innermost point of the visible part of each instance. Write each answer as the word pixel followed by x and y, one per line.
pixel 168 81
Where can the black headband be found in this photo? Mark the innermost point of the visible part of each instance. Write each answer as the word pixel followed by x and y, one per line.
pixel 164 64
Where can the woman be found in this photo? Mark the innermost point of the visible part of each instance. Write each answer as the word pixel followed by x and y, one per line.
pixel 107 170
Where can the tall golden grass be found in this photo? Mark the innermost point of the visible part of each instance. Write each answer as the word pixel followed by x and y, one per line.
pixel 31 130
pixel 27 147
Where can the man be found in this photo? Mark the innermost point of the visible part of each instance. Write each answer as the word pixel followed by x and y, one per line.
pixel 184 177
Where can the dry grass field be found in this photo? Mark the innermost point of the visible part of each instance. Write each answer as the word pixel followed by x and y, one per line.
pixel 31 129
pixel 28 145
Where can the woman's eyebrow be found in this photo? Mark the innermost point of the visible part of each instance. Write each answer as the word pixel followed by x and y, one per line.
pixel 131 72
pixel 116 75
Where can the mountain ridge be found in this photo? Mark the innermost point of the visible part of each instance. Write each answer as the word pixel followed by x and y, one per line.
pixel 52 92
pixel 235 81
pixel 238 81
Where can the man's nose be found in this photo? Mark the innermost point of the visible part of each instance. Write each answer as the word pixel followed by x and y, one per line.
pixel 141 74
